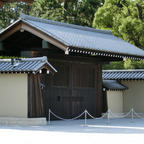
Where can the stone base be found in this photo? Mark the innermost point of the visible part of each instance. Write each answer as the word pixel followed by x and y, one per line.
pixel 22 121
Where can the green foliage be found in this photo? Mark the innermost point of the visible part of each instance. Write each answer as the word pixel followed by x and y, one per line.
pixel 50 9
pixel 134 64
pixel 79 12
pixel 10 12
pixel 124 17
pixel 74 11
pixel 127 64
pixel 114 65
pixel 9 57
pixel 126 20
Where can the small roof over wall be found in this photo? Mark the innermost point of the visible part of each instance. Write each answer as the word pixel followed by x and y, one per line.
pixel 113 85
pixel 26 65
pixel 74 38
pixel 136 74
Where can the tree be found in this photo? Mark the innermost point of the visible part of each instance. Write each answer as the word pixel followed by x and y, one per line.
pixel 126 20
pixel 124 17
pixel 51 9
pixel 79 12
pixel 10 1
pixel 11 11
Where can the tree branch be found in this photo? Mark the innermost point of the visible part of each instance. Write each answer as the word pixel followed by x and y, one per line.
pixel 139 8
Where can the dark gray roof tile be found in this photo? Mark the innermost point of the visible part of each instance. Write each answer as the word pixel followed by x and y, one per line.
pixel 83 38
pixel 113 85
pixel 24 64
pixel 123 74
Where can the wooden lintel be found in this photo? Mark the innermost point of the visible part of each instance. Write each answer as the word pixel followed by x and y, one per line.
pixel 16 27
pixel 23 26
pixel 75 58
pixel 44 36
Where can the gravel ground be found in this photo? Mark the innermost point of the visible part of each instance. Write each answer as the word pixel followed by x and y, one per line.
pixel 70 132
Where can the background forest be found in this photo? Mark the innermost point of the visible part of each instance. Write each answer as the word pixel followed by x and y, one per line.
pixel 125 18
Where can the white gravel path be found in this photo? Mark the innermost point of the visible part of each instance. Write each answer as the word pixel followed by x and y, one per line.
pixel 75 132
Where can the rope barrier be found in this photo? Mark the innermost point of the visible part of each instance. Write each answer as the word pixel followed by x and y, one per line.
pixel 95 117
pixel 117 116
pixel 108 114
pixel 137 115
pixel 67 119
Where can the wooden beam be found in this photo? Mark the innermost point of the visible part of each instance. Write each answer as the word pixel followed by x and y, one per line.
pixel 44 36
pixel 76 58
pixel 16 27
pixel 1 4
pixel 24 26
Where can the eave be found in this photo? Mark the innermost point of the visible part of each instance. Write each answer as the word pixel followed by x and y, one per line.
pixel 19 25
pixel 22 25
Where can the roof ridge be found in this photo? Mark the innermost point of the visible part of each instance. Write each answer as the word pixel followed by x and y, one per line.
pixel 125 70
pixel 27 17
pixel 44 59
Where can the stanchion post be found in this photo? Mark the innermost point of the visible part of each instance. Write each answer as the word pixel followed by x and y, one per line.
pixel 49 117
pixel 108 116
pixel 85 117
pixel 132 114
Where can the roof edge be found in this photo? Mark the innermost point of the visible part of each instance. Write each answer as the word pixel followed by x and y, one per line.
pixel 44 59
pixel 27 17
pixel 124 70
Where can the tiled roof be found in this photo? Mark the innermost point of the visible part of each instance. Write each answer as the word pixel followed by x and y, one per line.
pixel 24 65
pixel 84 39
pixel 123 74
pixel 113 85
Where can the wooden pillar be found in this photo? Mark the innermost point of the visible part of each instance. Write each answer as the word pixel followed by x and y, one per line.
pixel 35 100
pixel 1 4
pixel 98 85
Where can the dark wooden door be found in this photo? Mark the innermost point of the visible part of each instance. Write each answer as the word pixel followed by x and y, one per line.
pixel 72 90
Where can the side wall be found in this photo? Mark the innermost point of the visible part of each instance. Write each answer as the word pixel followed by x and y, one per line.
pixel 13 95
pixel 115 101
pixel 134 96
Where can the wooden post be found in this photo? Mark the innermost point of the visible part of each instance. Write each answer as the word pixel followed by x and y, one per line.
pixel 49 117
pixel 85 117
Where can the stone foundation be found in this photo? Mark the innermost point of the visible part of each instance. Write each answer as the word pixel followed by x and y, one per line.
pixel 22 121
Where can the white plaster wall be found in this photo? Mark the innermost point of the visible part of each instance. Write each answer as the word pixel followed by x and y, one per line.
pixel 13 95
pixel 134 96
pixel 115 101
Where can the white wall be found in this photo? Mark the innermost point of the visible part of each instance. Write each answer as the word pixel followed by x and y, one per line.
pixel 134 96
pixel 13 95
pixel 115 101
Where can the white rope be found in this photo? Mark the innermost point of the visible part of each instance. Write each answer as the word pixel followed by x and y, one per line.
pixel 95 117
pixel 108 114
pixel 137 115
pixel 67 119
pixel 116 116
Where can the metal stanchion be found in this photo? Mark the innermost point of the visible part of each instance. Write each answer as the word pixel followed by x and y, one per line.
pixel 108 116
pixel 49 117
pixel 132 114
pixel 85 117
